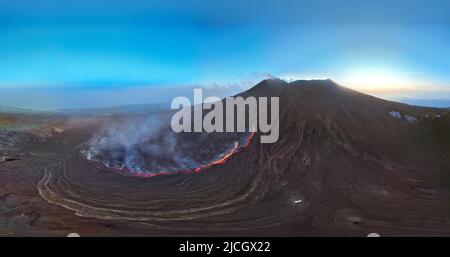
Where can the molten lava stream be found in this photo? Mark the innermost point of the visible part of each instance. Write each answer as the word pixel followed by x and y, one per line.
pixel 221 161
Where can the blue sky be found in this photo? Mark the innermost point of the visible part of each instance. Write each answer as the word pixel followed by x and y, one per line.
pixel 58 54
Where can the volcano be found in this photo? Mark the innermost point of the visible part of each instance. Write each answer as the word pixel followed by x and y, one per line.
pixel 345 163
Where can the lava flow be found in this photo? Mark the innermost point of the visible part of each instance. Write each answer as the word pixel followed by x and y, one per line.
pixel 220 161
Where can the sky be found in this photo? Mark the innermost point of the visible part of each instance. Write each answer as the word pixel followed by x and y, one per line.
pixel 79 54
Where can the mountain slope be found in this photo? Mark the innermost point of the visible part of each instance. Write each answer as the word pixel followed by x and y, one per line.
pixel 357 164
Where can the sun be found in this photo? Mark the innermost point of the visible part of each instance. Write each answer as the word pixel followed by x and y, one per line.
pixel 374 79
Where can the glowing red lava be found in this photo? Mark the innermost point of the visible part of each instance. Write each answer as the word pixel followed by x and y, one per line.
pixel 221 161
